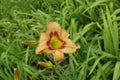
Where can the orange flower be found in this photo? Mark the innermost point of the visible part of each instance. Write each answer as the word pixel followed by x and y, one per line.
pixel 55 41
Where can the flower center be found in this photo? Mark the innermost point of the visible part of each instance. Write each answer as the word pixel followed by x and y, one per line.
pixel 55 42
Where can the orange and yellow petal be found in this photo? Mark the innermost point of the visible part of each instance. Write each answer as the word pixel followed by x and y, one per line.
pixel 43 37
pixel 41 46
pixel 69 43
pixel 58 55
pixel 69 47
pixel 53 27
pixel 64 34
pixel 48 51
pixel 69 50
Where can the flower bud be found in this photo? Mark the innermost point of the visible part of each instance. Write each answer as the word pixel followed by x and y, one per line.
pixel 46 64
pixel 29 42
pixel 16 74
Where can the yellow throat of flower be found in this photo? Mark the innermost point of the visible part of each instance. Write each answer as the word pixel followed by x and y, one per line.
pixel 55 43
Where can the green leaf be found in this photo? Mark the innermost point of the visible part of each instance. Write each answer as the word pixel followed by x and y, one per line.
pixel 116 74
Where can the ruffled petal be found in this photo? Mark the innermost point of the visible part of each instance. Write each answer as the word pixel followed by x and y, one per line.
pixel 64 34
pixel 69 43
pixel 58 56
pixel 70 47
pixel 48 51
pixel 43 37
pixel 69 50
pixel 53 27
pixel 41 46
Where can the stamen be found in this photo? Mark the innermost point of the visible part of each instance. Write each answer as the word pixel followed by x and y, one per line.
pixel 55 42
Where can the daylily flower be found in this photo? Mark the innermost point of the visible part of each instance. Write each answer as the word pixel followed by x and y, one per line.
pixel 16 74
pixel 55 41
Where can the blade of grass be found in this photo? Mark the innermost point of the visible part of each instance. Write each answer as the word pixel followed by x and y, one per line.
pixel 95 64
pixel 116 74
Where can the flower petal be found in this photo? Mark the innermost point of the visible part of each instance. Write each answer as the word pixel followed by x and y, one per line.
pixel 68 50
pixel 53 27
pixel 64 34
pixel 70 47
pixel 41 47
pixel 43 37
pixel 58 56
pixel 69 43
pixel 47 51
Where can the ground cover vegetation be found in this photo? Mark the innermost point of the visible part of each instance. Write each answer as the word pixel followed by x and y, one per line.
pixel 92 24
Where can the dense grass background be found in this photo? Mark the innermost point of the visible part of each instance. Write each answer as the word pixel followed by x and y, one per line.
pixel 92 24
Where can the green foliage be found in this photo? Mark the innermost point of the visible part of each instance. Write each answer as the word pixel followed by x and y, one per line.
pixel 92 24
pixel 110 33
